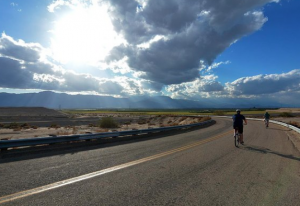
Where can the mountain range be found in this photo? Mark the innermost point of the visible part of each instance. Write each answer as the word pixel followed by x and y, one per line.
pixel 65 101
pixel 54 100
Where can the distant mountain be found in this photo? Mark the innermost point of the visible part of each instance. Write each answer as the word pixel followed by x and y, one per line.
pixel 65 101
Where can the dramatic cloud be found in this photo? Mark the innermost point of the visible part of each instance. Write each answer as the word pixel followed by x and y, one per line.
pixel 167 45
pixel 195 33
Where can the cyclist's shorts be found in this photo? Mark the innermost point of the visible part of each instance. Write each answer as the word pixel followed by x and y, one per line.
pixel 239 129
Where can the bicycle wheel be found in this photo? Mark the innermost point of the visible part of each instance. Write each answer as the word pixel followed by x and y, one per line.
pixel 236 140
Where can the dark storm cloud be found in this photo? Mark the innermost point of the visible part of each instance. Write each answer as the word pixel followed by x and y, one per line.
pixel 151 85
pixel 12 75
pixel 128 23
pixel 15 75
pixel 225 14
pixel 194 31
pixel 110 87
pixel 172 16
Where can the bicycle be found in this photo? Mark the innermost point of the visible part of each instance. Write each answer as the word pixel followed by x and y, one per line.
pixel 266 123
pixel 237 138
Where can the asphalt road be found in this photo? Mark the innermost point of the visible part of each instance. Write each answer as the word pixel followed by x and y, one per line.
pixel 200 167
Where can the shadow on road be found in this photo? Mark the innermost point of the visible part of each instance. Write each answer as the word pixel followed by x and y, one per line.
pixel 286 129
pixel 268 151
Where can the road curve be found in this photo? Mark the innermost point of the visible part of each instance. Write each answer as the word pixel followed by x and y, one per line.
pixel 200 167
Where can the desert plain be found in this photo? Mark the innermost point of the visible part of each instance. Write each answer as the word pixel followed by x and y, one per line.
pixel 33 122
pixel 36 122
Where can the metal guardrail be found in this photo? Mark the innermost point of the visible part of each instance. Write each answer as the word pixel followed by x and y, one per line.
pixel 4 144
pixel 272 121
pixel 286 125
pixel 280 123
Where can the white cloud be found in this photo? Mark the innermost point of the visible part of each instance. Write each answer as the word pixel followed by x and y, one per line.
pixel 259 90
pixel 13 4
pixel 204 87
pixel 59 4
pixel 120 66
pixel 265 84
pixel 136 87
pixel 216 65
pixel 146 45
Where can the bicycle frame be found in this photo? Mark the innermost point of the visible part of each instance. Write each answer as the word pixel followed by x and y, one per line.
pixel 266 122
pixel 237 138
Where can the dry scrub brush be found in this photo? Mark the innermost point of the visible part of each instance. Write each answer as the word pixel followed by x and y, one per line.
pixel 108 122
pixel 296 124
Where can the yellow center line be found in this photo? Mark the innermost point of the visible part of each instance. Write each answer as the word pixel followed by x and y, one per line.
pixel 104 171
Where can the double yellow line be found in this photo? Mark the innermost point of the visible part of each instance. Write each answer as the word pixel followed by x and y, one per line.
pixel 101 172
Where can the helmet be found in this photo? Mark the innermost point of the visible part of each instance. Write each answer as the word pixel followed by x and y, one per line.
pixel 238 110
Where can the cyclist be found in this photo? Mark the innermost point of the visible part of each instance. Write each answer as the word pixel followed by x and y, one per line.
pixel 238 124
pixel 266 119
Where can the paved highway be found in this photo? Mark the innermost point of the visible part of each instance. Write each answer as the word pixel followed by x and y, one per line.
pixel 200 167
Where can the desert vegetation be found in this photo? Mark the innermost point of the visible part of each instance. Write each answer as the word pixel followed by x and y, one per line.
pixel 294 123
pixel 219 113
pixel 286 114
pixel 108 122
pixel 17 126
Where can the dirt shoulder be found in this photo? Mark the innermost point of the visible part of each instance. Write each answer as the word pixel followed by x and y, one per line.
pixel 289 110
pixel 85 124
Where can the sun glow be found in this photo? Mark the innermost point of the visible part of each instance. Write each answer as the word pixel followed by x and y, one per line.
pixel 85 35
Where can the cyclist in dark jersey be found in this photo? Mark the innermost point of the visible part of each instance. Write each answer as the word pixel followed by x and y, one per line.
pixel 267 118
pixel 238 124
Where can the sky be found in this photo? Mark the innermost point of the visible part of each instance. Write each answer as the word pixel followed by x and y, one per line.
pixel 209 51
